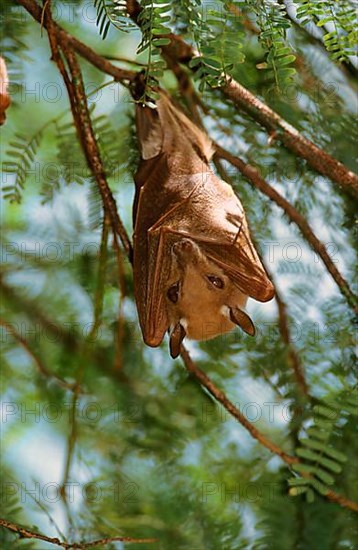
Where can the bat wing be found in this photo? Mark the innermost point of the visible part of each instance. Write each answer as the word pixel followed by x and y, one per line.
pixel 224 236
pixel 243 267
pixel 213 217
pixel 233 251
pixel 151 282
pixel 162 207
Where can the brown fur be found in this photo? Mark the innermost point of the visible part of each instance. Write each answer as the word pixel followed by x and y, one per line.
pixel 188 225
pixel 200 305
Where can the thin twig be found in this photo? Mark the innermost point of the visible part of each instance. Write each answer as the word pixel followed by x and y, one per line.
pixel 343 501
pixel 40 365
pixel 220 396
pixel 101 275
pixel 284 326
pixel 81 116
pixel 28 534
pixel 119 334
pixel 72 438
pixel 121 75
pixel 37 502
pixel 293 360
pixel 293 357
pixel 124 60
pixel 291 138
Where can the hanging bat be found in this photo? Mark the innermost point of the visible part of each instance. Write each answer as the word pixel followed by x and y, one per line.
pixel 194 263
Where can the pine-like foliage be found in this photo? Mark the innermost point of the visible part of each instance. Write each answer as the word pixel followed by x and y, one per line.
pixel 320 460
pixel 153 21
pixel 112 12
pixel 338 19
pixel 22 153
pixel 273 22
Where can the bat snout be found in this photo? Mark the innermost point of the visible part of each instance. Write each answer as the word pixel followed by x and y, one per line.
pixel 184 248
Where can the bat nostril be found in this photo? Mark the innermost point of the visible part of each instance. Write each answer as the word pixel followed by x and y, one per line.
pixel 186 244
pixel 183 246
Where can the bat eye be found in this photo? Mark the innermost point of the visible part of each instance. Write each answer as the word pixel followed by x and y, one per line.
pixel 216 281
pixel 173 293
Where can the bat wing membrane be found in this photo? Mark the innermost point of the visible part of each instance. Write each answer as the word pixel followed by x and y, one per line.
pixel 225 238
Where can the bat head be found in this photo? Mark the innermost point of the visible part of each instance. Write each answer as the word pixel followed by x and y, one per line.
pixel 201 300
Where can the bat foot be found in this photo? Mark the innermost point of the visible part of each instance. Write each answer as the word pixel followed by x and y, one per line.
pixel 176 337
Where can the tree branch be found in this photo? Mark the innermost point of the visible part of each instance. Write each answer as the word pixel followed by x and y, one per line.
pixel 220 396
pixel 27 534
pixel 40 365
pixel 291 138
pixel 81 116
pixel 205 381
pixel 317 158
pixel 63 37
pixel 284 326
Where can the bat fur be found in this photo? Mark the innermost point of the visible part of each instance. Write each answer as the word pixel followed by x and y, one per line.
pixel 194 263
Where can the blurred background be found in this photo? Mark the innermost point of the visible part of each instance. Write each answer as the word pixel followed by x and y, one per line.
pixel 103 436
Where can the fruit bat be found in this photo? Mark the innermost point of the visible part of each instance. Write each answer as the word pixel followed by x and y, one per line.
pixel 193 259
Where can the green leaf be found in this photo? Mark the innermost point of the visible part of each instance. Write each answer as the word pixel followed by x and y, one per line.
pixel 325 412
pixel 195 61
pixel 297 481
pixel 304 468
pixel 322 22
pixel 320 487
pixel 161 41
pixel 319 434
pixel 306 453
pixel 329 451
pixel 324 476
pixel 310 496
pixel 285 60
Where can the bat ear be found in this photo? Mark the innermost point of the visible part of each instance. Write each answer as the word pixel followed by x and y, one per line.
pixel 176 337
pixel 242 319
pixel 150 132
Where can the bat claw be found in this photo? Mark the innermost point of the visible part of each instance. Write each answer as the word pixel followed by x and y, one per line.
pixel 176 337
